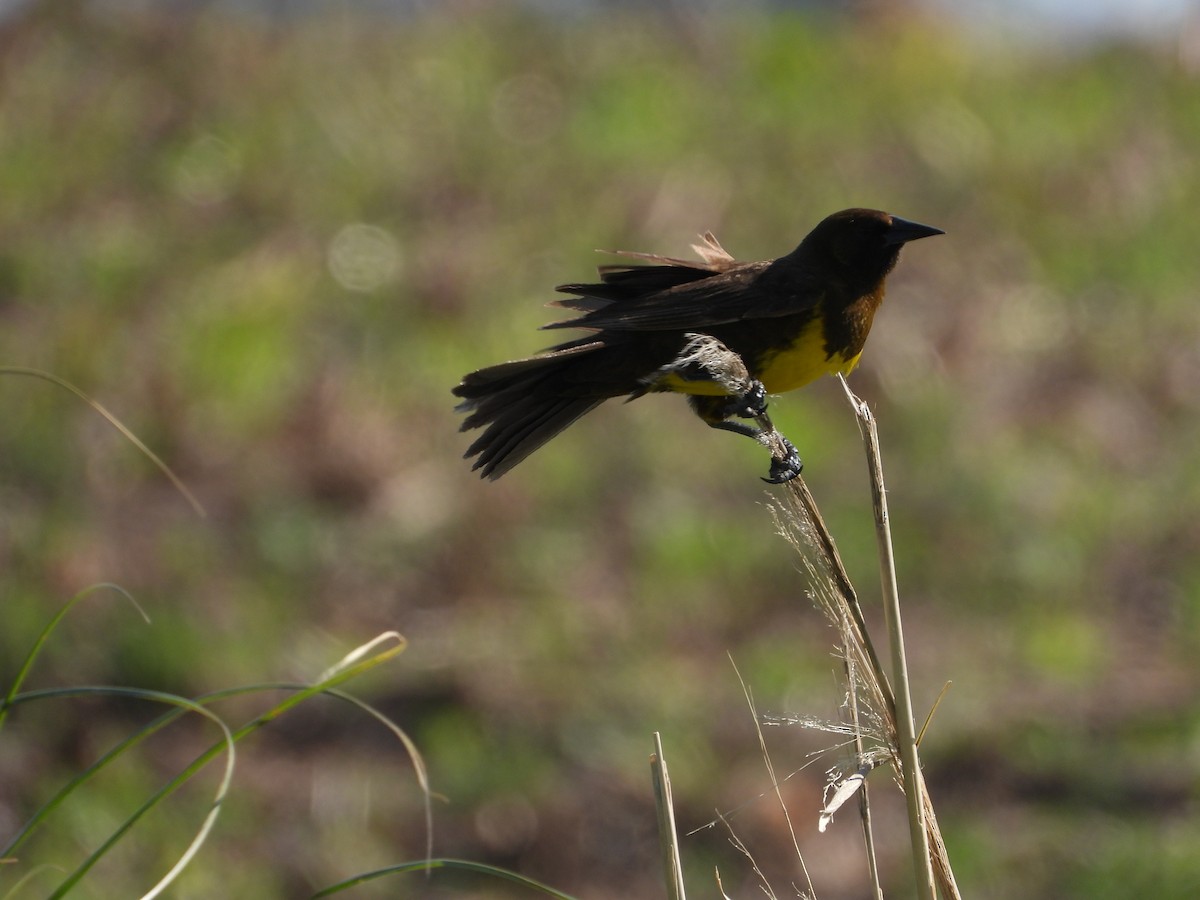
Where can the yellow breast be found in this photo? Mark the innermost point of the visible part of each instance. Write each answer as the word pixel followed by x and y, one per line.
pixel 802 361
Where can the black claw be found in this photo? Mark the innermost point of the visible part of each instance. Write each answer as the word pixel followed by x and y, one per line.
pixel 787 468
pixel 751 403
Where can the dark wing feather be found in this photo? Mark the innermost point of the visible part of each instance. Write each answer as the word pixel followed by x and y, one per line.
pixel 622 282
pixel 705 300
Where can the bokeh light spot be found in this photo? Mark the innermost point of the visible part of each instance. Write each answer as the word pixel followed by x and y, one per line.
pixel 364 257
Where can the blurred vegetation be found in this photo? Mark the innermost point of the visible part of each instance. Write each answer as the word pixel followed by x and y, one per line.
pixel 272 245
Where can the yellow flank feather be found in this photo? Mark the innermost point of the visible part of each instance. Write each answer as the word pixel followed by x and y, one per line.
pixel 673 381
pixel 804 360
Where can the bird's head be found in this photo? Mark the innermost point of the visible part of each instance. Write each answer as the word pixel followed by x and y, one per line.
pixel 863 244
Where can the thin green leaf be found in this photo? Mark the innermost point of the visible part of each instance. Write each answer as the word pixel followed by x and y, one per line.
pixel 115 423
pixel 431 864
pixel 23 672
pixel 227 743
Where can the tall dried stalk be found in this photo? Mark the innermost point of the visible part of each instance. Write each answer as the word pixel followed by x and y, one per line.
pixel 880 709
pixel 882 706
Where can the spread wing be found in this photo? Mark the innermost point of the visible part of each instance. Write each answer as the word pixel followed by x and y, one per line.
pixel 624 282
pixel 683 295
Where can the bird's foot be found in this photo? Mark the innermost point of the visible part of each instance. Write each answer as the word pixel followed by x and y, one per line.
pixel 788 466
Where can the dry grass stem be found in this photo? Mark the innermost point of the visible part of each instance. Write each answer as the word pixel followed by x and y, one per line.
pixel 668 836
pixel 879 707
pixel 762 746
pixel 910 768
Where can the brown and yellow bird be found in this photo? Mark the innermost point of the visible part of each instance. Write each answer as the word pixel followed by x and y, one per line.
pixel 790 320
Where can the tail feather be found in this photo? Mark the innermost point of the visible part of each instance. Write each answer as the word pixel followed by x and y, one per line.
pixel 520 406
pixel 523 429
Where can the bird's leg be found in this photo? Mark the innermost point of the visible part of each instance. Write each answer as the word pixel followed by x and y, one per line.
pixel 704 358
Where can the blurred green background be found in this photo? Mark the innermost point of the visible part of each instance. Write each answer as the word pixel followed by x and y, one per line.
pixel 272 243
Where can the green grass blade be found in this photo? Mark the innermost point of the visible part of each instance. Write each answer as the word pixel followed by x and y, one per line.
pixel 40 642
pixel 115 423
pixel 351 667
pixel 429 865
pixel 222 789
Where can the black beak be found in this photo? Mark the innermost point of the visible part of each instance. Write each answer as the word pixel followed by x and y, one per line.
pixel 903 231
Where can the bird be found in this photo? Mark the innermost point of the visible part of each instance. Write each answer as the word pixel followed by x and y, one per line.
pixel 658 324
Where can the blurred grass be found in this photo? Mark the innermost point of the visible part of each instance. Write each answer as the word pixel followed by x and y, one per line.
pixel 272 245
